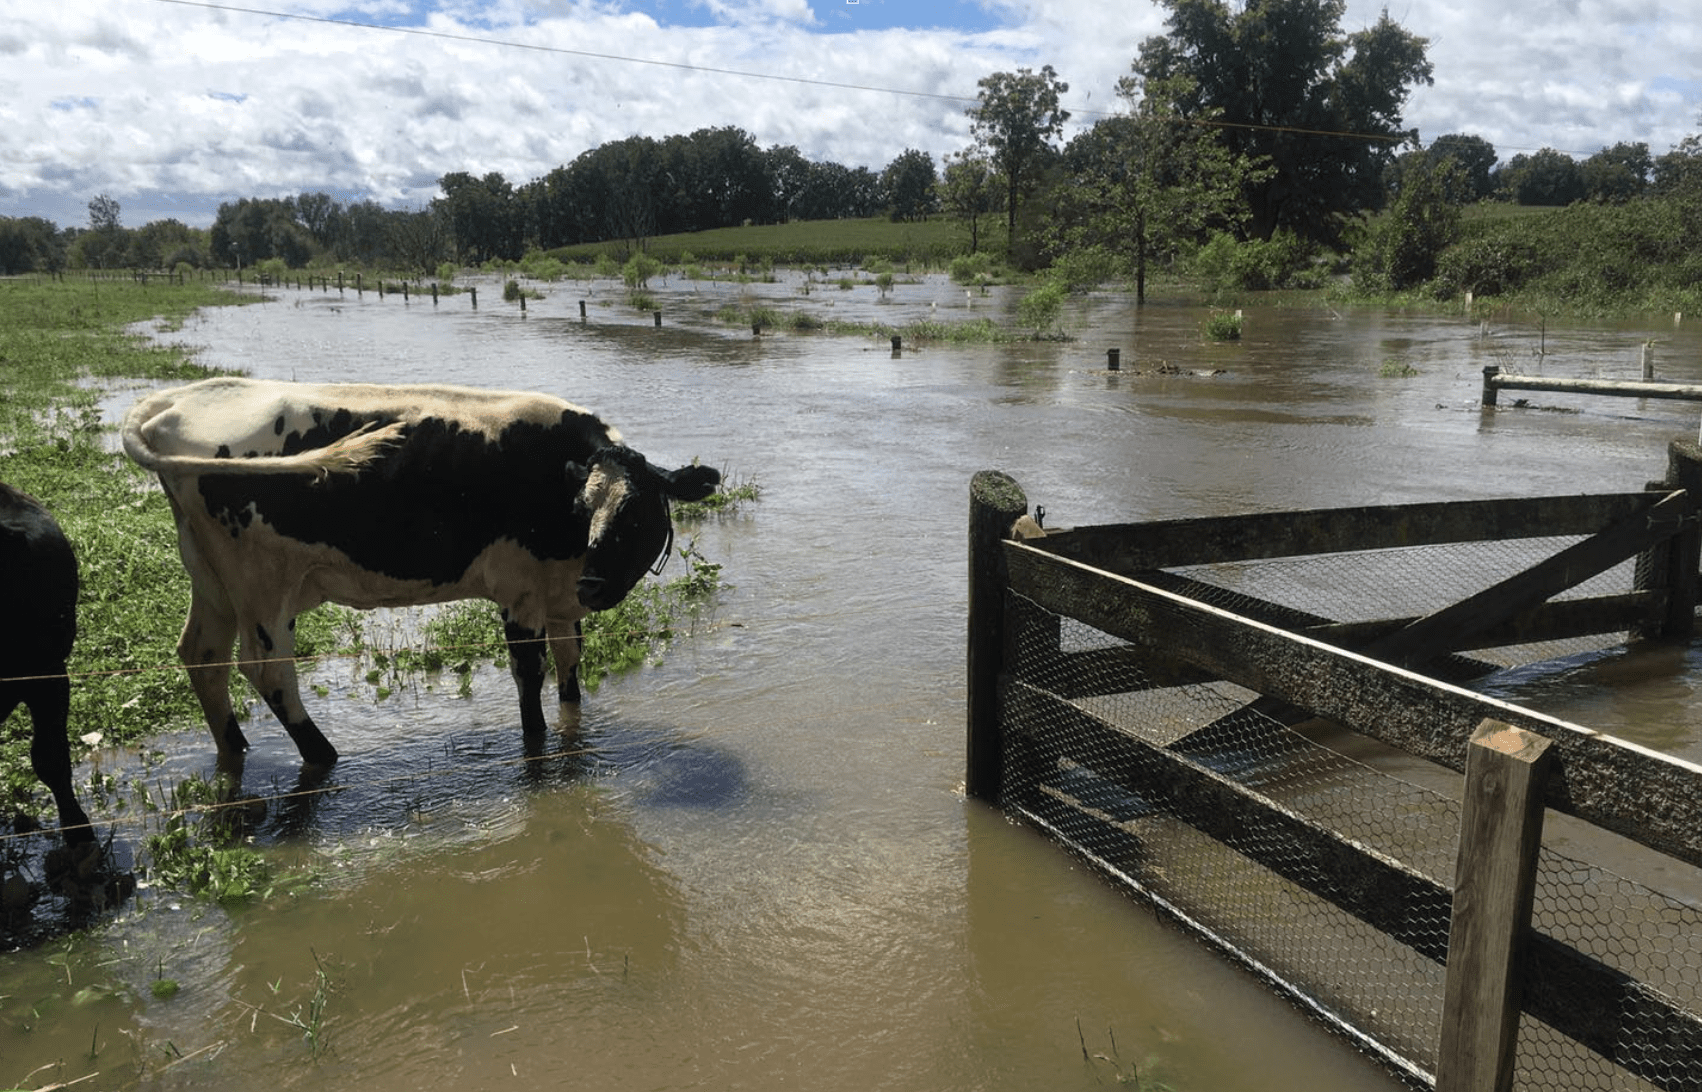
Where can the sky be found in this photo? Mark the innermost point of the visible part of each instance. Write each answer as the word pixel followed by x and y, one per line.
pixel 175 106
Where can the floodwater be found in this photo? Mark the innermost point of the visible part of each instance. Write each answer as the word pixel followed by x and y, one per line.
pixel 754 866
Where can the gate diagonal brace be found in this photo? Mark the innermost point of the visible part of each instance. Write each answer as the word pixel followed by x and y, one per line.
pixel 1435 634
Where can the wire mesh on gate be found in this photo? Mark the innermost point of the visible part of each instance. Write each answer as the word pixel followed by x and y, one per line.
pixel 1097 735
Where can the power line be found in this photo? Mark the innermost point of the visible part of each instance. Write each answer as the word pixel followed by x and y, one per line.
pixel 509 43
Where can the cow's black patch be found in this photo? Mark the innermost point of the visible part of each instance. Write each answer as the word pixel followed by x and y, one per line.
pixel 278 426
pixel 427 507
pixel 265 638
pixel 223 452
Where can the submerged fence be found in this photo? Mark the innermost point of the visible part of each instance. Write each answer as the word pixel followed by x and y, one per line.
pixel 1181 704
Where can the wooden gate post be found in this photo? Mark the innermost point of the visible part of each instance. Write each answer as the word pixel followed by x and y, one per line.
pixel 1494 879
pixel 1684 556
pixel 996 502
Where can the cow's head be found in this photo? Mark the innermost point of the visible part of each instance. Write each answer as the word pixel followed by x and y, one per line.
pixel 625 500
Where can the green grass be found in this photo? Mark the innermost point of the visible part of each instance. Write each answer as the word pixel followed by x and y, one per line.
pixel 58 343
pixel 931 244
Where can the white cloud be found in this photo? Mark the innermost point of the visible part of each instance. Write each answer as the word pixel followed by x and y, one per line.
pixel 138 98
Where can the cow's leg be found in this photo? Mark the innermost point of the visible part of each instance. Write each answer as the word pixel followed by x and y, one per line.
pixel 205 649
pixel 566 647
pixel 268 660
pixel 526 664
pixel 49 701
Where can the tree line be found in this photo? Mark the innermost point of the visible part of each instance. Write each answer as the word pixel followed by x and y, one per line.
pixel 1257 141
pixel 626 190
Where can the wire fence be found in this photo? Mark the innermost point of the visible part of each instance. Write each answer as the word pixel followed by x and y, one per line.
pixel 1258 787
pixel 1239 884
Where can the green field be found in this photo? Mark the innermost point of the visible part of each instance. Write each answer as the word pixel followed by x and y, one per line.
pixel 927 244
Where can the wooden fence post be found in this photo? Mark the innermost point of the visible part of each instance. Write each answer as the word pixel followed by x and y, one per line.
pixel 1490 393
pixel 1684 555
pixel 1494 879
pixel 996 502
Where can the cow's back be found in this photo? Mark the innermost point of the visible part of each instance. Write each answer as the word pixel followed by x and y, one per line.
pixel 464 468
pixel 38 587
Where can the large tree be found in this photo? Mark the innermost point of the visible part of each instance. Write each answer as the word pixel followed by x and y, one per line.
pixel 1323 108
pixel 1016 117
pixel 909 184
pixel 1545 177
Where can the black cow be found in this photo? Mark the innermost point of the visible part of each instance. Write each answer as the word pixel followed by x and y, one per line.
pixel 38 587
pixel 290 495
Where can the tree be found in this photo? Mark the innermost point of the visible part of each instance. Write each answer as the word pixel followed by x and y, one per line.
pixel 483 216
pixel 30 244
pixel 1016 117
pixel 1615 175
pixel 970 191
pixel 1423 220
pixel 1475 157
pixel 106 241
pixel 1323 109
pixel 1141 185
pixel 1680 170
pixel 1545 177
pixel 104 214
pixel 908 183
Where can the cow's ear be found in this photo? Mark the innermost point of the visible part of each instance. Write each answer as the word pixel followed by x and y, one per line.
pixel 690 483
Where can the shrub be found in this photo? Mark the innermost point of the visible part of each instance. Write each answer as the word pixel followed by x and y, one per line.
pixel 1283 261
pixel 1039 310
pixel 1224 326
pixel 1086 268
pixel 971 268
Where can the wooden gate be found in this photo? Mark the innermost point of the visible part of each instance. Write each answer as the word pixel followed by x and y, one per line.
pixel 1077 637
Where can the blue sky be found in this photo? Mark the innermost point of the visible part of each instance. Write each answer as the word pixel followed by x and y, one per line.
pixel 174 106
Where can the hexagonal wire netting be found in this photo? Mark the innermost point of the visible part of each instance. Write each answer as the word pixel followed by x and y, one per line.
pixel 1245 889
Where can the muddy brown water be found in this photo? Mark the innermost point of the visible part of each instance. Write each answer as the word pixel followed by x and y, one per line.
pixel 754 866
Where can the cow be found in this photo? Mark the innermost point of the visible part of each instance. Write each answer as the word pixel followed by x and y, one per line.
pixel 289 495
pixel 38 587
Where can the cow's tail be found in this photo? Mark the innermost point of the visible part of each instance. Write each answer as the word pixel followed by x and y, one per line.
pixel 344 456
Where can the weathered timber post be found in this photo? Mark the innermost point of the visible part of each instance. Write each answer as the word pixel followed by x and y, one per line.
pixel 658 316
pixel 434 293
pixel 581 310
pixel 1500 836
pixel 359 291
pixel 897 345
pixel 996 502
pixel 1489 391
pixel 1683 582
pixel 1648 360
pixel 1113 360
pixel 522 305
pixel 473 291
pixel 404 291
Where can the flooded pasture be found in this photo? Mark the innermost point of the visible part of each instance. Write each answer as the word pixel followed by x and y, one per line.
pixel 753 866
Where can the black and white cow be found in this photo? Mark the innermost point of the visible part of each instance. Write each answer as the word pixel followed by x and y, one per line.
pixel 290 495
pixel 38 595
